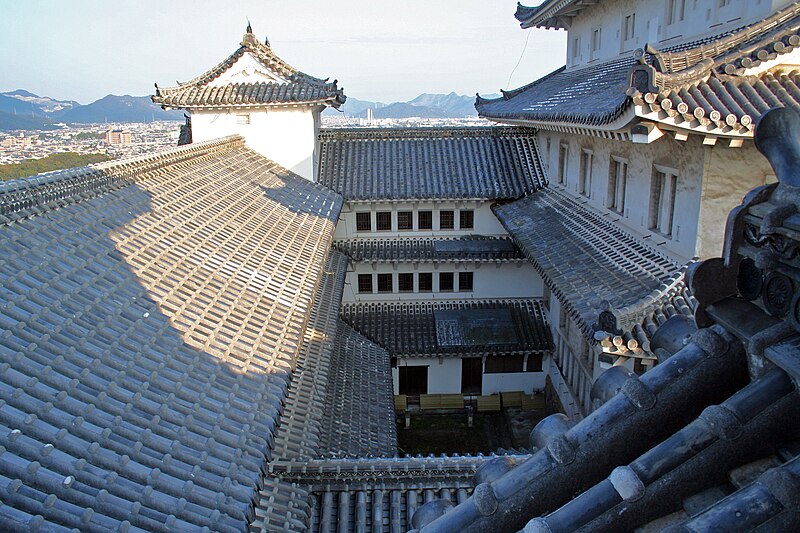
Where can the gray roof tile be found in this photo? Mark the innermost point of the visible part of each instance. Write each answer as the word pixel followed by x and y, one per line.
pixel 151 320
pixel 435 163
pixel 474 248
pixel 445 328
pixel 591 264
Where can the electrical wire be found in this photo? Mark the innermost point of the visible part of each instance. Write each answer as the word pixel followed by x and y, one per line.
pixel 524 48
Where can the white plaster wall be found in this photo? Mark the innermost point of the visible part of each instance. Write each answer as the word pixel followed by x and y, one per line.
pixel 701 18
pixel 485 222
pixel 445 377
pixel 490 281
pixel 685 157
pixel 526 382
pixel 287 136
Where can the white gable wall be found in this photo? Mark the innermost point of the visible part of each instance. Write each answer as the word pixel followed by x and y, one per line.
pixel 288 136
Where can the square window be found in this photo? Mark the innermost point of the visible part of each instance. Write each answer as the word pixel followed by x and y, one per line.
pixel 445 282
pixel 465 281
pixel 384 220
pixel 364 283
pixel 405 220
pixel 425 282
pixel 447 219
pixel 501 364
pixel 425 220
pixel 364 221
pixel 405 282
pixel 384 283
pixel 466 220
pixel 243 119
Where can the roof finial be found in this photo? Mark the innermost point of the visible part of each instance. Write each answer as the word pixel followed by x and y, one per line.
pixel 249 40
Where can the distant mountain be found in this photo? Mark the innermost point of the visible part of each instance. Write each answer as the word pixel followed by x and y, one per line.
pixel 10 121
pixel 43 103
pixel 114 108
pixel 453 105
pixel 424 106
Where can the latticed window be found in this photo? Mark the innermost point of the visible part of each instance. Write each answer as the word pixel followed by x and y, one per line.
pixel 364 221
pixel 465 281
pixel 662 200
pixel 586 173
pixel 384 283
pixel 405 220
pixel 425 282
pixel 365 283
pixel 617 183
pixel 447 219
pixel 466 219
pixel 445 281
pixel 405 282
pixel 384 220
pixel 425 220
pixel 563 153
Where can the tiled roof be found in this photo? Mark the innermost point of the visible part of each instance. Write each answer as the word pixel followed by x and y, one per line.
pixel 702 85
pixel 590 263
pixel 291 87
pixel 446 328
pixel 152 311
pixel 377 494
pixel 358 419
pixel 473 248
pixel 547 13
pixel 435 163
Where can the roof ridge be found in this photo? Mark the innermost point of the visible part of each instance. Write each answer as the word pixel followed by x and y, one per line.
pixel 43 192
pixel 421 133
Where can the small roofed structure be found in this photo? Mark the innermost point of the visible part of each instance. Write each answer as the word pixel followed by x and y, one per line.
pixel 257 95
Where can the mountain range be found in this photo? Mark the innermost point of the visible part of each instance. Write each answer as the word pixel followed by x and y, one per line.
pixel 22 109
pixel 425 105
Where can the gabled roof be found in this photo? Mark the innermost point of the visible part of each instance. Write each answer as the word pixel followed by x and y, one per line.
pixel 595 268
pixel 430 163
pixel 473 248
pixel 280 84
pixel 152 311
pixel 716 86
pixel 434 328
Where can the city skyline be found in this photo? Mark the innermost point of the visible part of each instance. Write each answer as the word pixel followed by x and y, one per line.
pixel 377 51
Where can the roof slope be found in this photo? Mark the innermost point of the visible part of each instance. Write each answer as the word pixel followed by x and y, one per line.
pixel 281 84
pixel 473 248
pixel 436 163
pixel 152 311
pixel 717 85
pixel 452 328
pixel 591 264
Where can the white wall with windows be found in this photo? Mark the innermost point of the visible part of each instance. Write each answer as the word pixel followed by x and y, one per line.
pixel 417 219
pixel 384 282
pixel 608 29
pixel 444 375
pixel 676 194
pixel 285 135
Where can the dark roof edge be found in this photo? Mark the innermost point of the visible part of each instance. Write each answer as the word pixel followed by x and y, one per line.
pixel 46 191
pixel 330 134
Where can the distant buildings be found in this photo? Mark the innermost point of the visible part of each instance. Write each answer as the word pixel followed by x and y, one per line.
pixel 118 137
pixel 21 141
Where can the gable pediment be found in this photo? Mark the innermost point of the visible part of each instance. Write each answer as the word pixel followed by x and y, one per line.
pixel 247 69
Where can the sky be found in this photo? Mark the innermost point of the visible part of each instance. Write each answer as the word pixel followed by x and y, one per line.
pixel 379 50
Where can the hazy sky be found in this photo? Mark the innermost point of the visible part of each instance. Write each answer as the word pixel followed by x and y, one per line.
pixel 385 50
